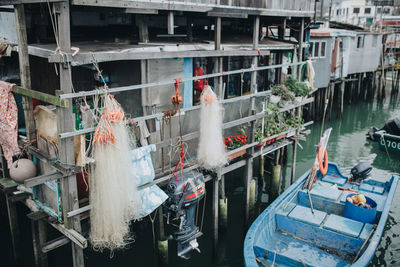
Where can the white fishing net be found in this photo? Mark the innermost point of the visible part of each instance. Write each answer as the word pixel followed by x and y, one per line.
pixel 113 191
pixel 211 151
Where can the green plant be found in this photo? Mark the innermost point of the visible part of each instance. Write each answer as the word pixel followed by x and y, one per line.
pixel 234 141
pixel 282 91
pixel 297 87
pixel 294 121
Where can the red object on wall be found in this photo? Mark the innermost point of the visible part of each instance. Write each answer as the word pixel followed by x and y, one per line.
pixel 198 84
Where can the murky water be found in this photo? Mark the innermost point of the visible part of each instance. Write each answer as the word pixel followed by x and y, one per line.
pixel 347 146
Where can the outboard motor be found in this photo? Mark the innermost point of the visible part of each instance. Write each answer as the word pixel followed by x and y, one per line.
pixel 361 171
pixel 184 193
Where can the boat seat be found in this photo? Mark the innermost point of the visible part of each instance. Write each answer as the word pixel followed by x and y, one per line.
pixel 370 188
pixel 334 179
pixel 304 214
pixel 343 225
pixel 324 190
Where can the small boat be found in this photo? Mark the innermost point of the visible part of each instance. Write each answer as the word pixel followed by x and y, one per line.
pixel 388 137
pixel 313 228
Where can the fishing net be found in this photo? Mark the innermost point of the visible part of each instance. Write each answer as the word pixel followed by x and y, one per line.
pixel 211 151
pixel 113 191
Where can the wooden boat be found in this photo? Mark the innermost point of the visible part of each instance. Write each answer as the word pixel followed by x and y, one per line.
pixel 287 233
pixel 388 137
pixel 386 141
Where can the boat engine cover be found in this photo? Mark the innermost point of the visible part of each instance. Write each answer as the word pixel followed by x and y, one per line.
pixel 184 192
pixel 361 170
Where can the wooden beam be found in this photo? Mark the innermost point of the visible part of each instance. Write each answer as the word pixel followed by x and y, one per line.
pixel 31 182
pixel 16 2
pixel 24 69
pixel 50 99
pixel 65 122
pixel 227 15
pixel 196 7
pixel 140 11
pixel 55 243
pixel 105 56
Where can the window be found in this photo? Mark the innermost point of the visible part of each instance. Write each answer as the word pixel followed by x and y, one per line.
pixel 356 10
pixel 386 10
pixel 360 42
pixel 316 49
pixel 323 44
pixel 379 10
pixel 367 10
pixel 337 12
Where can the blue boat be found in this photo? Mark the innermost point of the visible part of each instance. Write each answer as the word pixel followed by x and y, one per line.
pixel 288 233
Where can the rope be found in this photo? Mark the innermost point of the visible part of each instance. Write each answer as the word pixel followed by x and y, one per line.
pixel 152 227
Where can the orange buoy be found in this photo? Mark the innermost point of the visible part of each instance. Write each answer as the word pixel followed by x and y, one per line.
pixel 323 162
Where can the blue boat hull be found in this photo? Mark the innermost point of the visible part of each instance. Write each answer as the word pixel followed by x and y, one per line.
pixel 287 233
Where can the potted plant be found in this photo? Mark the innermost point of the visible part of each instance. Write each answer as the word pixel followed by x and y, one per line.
pixel 235 141
pixel 300 89
pixel 285 95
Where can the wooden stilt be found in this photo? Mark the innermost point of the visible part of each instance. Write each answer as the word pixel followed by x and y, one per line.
pixel 223 206
pixel 215 213
pixel 14 231
pixel 342 97
pixel 69 192
pixel 24 69
pixel 39 235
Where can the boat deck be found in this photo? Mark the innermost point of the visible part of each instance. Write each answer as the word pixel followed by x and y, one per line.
pixel 296 236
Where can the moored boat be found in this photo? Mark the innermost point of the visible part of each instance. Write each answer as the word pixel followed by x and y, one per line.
pixel 388 138
pixel 314 228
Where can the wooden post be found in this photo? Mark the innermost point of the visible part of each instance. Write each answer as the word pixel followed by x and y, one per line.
pixel 341 97
pixel 223 206
pixel 14 231
pixel 24 69
pixel 218 61
pixel 249 161
pixel 275 179
pixel 300 52
pixel 294 155
pixel 143 29
pixel 170 22
pixel 189 28
pixel 39 235
pixel 65 123
pixel 359 86
pixel 215 212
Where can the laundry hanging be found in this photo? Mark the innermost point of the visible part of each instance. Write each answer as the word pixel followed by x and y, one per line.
pixel 150 197
pixel 8 122
pixel 211 151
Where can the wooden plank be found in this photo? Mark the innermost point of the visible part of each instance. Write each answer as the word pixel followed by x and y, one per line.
pixel 65 122
pixel 24 69
pixel 50 99
pixel 7 184
pixel 55 243
pixel 72 235
pixel 31 182
pixel 140 11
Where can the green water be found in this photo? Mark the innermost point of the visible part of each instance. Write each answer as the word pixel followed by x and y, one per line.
pixel 347 146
